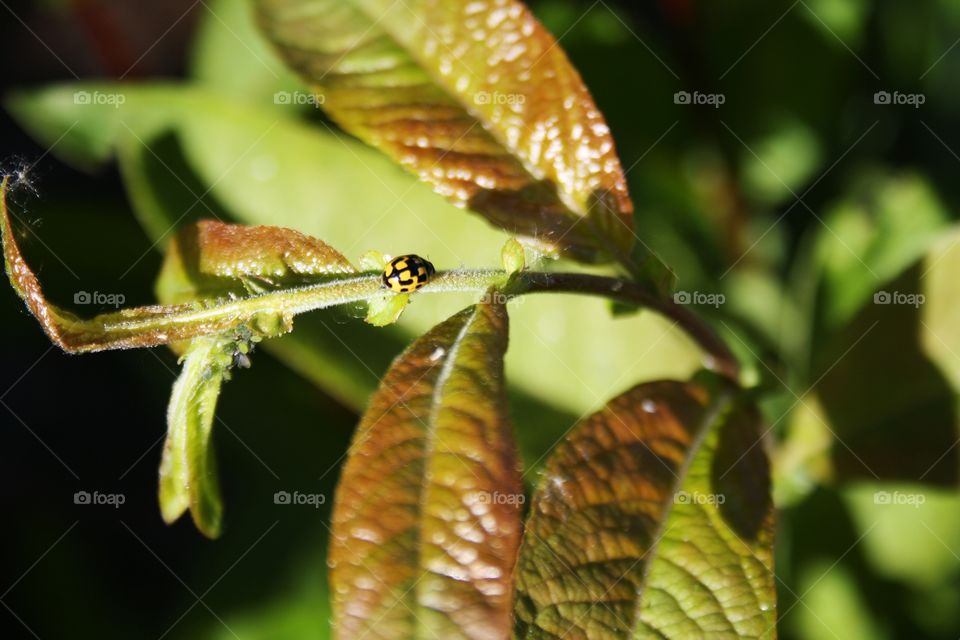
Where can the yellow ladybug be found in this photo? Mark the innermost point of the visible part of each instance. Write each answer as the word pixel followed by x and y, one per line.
pixel 407 273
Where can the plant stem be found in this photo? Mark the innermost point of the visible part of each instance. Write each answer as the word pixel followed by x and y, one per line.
pixel 720 358
pixel 271 313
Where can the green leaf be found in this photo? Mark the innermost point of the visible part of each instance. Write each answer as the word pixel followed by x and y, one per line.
pixel 230 55
pixel 893 513
pixel 884 307
pixel 940 313
pixel 885 225
pixel 386 310
pixel 787 154
pixel 512 256
pixel 653 519
pixel 259 167
pixel 480 101
pixel 188 474
pixel 867 395
pixel 427 517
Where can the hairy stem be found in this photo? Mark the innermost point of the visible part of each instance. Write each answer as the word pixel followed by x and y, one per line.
pixel 271 313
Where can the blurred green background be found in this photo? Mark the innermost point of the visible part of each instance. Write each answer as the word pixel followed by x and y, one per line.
pixel 799 199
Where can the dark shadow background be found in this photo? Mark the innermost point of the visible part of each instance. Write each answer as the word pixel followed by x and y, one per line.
pixel 95 423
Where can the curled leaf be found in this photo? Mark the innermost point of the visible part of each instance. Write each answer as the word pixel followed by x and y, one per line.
pixel 427 518
pixel 653 519
pixel 373 260
pixel 188 474
pixel 261 310
pixel 512 257
pixel 386 309
pixel 477 99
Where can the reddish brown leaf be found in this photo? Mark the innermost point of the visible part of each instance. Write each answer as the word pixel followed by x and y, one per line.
pixel 477 99
pixel 212 259
pixel 427 518
pixel 291 258
pixel 653 519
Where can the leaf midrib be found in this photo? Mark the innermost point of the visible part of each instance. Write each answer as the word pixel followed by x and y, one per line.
pixel 436 402
pixel 719 405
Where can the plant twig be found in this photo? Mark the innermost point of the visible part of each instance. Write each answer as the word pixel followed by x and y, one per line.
pixel 720 358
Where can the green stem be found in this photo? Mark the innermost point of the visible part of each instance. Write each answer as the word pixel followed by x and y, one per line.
pixel 272 313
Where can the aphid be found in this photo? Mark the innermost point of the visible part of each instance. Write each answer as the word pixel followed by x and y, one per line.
pixel 407 273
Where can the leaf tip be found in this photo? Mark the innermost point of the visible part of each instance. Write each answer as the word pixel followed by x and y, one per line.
pixel 386 310
pixel 512 257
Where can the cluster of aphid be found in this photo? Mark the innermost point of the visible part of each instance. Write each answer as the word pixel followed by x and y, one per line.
pixel 244 343
pixel 402 274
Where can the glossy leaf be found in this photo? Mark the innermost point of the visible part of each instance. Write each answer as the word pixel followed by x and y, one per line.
pixel 263 168
pixel 188 475
pixel 214 259
pixel 653 519
pixel 476 99
pixel 427 519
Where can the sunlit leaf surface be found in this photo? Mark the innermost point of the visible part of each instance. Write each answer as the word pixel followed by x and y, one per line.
pixel 653 520
pixel 477 99
pixel 266 167
pixel 212 258
pixel 427 518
